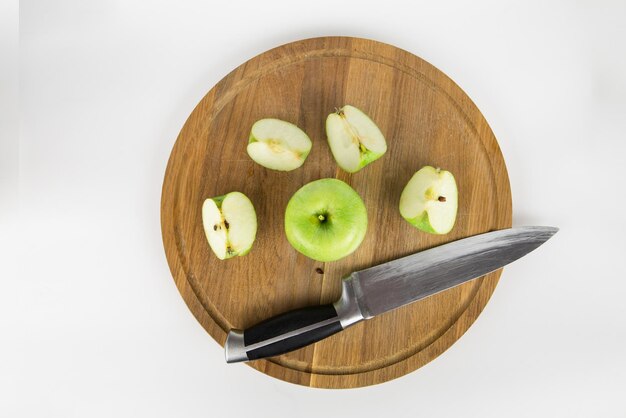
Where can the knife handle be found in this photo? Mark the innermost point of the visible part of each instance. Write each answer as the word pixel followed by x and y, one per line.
pixel 282 333
pixel 294 329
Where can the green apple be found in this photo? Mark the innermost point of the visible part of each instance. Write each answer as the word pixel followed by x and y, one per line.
pixel 325 220
pixel 354 138
pixel 229 224
pixel 430 200
pixel 278 145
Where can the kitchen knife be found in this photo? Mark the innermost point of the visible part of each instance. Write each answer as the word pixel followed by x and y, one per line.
pixel 385 287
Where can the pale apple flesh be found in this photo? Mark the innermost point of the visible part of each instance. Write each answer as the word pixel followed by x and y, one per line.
pixel 326 220
pixel 278 145
pixel 354 138
pixel 430 200
pixel 229 224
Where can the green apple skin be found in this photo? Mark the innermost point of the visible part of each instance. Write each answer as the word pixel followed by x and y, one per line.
pixel 369 156
pixel 422 223
pixel 420 203
pixel 326 220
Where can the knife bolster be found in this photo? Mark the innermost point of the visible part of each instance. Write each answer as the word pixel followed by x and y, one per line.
pixel 347 306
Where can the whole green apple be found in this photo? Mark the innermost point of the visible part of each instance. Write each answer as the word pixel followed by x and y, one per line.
pixel 326 220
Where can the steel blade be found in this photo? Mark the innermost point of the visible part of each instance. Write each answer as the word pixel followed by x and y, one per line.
pixel 390 285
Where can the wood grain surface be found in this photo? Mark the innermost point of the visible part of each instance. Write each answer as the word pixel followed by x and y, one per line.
pixel 426 118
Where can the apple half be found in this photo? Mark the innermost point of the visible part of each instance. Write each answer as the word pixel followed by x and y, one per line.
pixel 229 224
pixel 325 220
pixel 354 138
pixel 430 200
pixel 278 145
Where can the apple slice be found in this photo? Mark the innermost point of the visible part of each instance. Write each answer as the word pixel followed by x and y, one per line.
pixel 430 200
pixel 229 224
pixel 278 145
pixel 354 138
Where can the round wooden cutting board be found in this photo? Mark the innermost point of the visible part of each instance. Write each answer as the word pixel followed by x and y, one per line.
pixel 427 120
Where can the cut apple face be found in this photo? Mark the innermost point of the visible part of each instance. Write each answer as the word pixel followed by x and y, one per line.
pixel 229 224
pixel 278 145
pixel 430 200
pixel 354 138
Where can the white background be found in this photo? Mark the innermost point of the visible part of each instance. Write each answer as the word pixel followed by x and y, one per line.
pixel 91 324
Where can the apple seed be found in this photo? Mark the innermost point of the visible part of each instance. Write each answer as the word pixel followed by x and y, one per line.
pixel 441 198
pixel 319 271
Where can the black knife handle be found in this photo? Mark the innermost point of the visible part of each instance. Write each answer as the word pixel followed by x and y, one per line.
pixel 282 333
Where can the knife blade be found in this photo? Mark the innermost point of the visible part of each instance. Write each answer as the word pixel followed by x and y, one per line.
pixel 385 287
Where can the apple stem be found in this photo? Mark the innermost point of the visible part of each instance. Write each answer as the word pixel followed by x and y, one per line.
pixel 441 198
pixel 321 217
